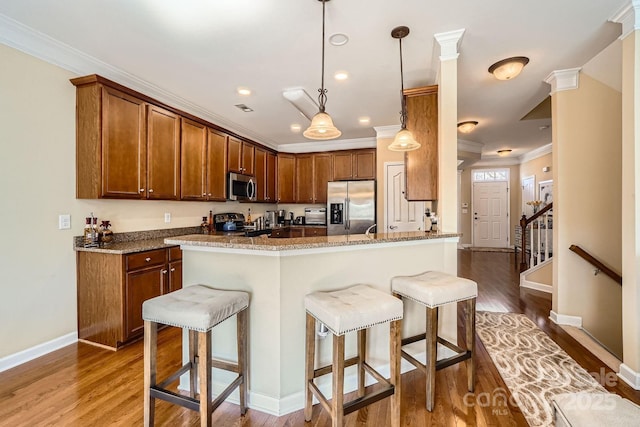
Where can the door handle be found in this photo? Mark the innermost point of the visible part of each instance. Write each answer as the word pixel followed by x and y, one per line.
pixel 393 227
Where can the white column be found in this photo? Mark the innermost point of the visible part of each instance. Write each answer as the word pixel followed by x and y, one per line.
pixel 447 129
pixel 629 17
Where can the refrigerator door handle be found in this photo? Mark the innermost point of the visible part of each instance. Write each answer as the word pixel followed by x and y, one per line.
pixel 346 213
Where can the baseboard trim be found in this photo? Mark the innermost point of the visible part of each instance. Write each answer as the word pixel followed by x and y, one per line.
pixel 629 376
pixel 536 286
pixel 24 356
pixel 563 319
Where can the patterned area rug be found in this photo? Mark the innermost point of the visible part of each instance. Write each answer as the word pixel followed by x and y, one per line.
pixel 532 365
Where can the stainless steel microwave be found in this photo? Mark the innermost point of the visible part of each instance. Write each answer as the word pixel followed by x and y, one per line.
pixel 241 187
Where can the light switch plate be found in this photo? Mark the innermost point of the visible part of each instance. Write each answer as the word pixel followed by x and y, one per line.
pixel 167 217
pixel 64 222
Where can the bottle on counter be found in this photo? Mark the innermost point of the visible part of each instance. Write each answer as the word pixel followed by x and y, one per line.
pixel 87 232
pixel 106 235
pixel 211 229
pixel 427 221
pixel 95 231
pixel 249 216
pixel 205 225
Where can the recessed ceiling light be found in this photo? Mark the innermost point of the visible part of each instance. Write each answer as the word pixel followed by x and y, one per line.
pixel 364 120
pixel 466 127
pixel 508 68
pixel 244 91
pixel 244 108
pixel 504 152
pixel 295 128
pixel 341 75
pixel 338 39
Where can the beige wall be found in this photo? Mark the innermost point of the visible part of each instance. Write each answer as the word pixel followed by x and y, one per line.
pixel 534 168
pixel 587 206
pixel 37 183
pixel 466 196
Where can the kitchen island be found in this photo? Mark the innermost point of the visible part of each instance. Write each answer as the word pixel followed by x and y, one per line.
pixel 278 273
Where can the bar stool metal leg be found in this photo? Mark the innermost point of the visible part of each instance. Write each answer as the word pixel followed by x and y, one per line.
pixel 309 365
pixel 432 353
pixel 150 367
pixel 337 399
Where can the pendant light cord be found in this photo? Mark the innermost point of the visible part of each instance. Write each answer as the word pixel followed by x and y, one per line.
pixel 322 98
pixel 403 102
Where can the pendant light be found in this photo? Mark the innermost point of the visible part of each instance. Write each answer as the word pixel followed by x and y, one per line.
pixel 322 127
pixel 404 140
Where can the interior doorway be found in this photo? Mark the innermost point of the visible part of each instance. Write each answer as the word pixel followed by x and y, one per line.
pixel 528 194
pixel 490 199
pixel 399 215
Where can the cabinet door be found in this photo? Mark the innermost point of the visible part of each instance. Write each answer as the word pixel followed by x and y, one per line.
pixel 342 166
pixel 248 158
pixel 286 171
pixel 175 276
pixel 270 193
pixel 234 155
pixel 422 164
pixel 261 174
pixel 296 232
pixel 216 166
pixel 364 164
pixel 124 146
pixel 140 286
pixel 322 174
pixel 163 154
pixel 193 153
pixel 304 178
pixel 315 231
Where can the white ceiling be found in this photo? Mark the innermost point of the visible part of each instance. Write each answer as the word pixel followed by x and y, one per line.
pixel 201 51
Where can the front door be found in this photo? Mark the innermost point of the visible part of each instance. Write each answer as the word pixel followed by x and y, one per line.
pixel 400 215
pixel 490 217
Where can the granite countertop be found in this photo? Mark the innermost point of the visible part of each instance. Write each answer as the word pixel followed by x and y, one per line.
pixel 263 243
pixel 137 241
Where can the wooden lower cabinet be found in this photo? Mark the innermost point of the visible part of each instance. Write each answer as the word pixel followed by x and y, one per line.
pixel 286 232
pixel 112 288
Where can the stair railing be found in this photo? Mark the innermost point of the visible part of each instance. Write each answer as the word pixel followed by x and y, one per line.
pixel 600 267
pixel 535 256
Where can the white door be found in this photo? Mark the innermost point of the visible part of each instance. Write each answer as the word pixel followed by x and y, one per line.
pixel 400 215
pixel 490 216
pixel 528 194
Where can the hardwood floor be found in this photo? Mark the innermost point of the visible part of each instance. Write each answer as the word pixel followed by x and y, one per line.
pixel 82 385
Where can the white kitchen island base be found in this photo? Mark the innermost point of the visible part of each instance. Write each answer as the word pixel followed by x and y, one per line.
pixel 278 279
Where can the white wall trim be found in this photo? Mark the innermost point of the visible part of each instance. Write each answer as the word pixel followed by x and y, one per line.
pixel 339 144
pixel 470 146
pixel 386 131
pixel 561 80
pixel 538 152
pixel 36 351
pixel 563 319
pixel 629 376
pixel 524 283
pixel 629 16
pixel 449 42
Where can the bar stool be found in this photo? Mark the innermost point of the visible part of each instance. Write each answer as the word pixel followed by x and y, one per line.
pixel 434 289
pixel 198 309
pixel 353 309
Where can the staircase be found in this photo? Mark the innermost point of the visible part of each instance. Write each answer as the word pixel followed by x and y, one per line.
pixel 534 248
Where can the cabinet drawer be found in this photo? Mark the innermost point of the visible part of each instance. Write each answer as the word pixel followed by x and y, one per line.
pixel 175 253
pixel 315 231
pixel 146 259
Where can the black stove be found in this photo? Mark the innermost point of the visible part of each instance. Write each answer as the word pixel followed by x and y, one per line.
pixel 232 224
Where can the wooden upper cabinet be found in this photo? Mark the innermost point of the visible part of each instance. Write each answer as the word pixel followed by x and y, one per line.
pixel 304 178
pixel 163 154
pixel 322 174
pixel 193 155
pixel 234 155
pixel 260 174
pixel 355 164
pixel 270 188
pixel 422 164
pixel 286 173
pixel 248 158
pixel 124 146
pixel 216 166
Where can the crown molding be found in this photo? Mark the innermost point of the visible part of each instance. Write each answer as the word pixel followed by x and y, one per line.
pixel 470 146
pixel 449 42
pixel 629 16
pixel 39 45
pixel 538 152
pixel 561 80
pixel 498 161
pixel 386 131
pixel 338 144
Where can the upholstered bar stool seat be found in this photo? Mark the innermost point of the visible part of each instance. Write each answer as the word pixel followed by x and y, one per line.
pixel 434 289
pixel 353 309
pixel 198 309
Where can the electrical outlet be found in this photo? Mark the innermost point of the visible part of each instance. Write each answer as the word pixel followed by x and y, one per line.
pixel 167 217
pixel 64 222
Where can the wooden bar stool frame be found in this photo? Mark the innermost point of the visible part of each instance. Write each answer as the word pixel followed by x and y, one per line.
pixel 336 407
pixel 199 367
pixel 432 339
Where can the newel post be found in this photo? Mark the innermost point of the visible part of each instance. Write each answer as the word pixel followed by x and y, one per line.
pixel 523 233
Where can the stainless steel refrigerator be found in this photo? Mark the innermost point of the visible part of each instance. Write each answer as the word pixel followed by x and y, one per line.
pixel 351 207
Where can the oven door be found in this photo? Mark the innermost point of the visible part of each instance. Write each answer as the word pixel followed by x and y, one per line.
pixel 241 187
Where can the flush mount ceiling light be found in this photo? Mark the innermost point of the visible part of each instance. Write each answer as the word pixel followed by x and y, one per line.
pixel 466 127
pixel 404 140
pixel 322 127
pixel 508 68
pixel 504 152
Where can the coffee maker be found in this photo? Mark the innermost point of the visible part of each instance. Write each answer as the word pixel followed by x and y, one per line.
pixel 271 219
pixel 281 215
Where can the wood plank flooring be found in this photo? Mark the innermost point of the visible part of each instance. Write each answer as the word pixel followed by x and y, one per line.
pixel 82 385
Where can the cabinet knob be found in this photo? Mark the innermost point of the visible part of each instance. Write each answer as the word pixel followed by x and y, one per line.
pixel 147 259
pixel 164 271
pixel 209 194
pixel 204 194
pixel 151 190
pixel 173 269
pixel 142 190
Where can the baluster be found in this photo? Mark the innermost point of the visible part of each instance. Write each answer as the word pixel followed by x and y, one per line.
pixel 539 240
pixel 531 264
pixel 546 236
